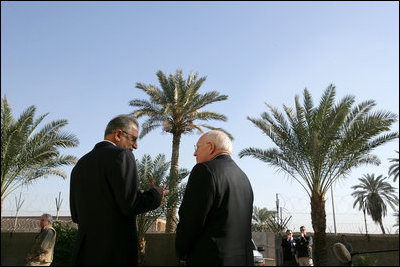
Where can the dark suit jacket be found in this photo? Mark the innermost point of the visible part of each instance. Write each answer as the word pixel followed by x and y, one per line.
pixel 215 215
pixel 104 201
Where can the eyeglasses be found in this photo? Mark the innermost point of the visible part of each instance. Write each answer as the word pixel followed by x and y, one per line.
pixel 302 230
pixel 288 233
pixel 196 147
pixel 133 139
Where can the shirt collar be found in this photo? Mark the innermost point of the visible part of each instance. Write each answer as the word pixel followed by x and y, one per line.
pixel 109 142
pixel 220 155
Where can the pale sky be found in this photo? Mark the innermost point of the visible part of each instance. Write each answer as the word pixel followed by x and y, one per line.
pixel 80 61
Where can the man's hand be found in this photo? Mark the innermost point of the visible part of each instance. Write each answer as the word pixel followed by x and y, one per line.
pixel 160 189
pixel 29 257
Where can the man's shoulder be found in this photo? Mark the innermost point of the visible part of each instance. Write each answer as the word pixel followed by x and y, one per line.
pixel 49 230
pixel 108 149
pixel 220 161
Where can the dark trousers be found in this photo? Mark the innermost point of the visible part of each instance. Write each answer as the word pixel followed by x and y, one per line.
pixel 291 262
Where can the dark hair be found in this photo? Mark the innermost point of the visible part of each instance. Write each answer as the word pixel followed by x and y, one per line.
pixel 120 122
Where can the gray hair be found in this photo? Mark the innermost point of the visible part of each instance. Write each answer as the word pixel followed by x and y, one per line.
pixel 220 139
pixel 48 217
pixel 122 122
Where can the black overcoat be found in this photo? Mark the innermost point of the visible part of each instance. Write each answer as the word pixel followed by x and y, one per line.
pixel 104 201
pixel 215 215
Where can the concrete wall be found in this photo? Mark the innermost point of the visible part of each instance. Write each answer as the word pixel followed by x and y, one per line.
pixel 160 248
pixel 360 243
pixel 15 247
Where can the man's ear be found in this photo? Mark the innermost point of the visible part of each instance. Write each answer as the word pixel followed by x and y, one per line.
pixel 212 148
pixel 117 135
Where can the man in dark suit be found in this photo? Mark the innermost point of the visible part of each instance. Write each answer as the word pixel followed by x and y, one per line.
pixel 215 215
pixel 105 198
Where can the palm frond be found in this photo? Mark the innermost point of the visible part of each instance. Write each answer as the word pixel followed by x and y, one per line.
pixel 27 154
pixel 394 168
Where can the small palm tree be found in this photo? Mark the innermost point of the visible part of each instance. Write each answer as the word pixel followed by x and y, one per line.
pixel 374 194
pixel 175 108
pixel 316 146
pixel 394 168
pixel 26 155
pixel 157 169
pixel 260 218
pixel 362 206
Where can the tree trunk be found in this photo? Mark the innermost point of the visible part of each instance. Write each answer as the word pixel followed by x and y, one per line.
pixel 381 225
pixel 173 186
pixel 365 222
pixel 318 217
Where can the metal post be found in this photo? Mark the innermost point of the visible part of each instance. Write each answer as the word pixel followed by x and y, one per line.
pixel 333 208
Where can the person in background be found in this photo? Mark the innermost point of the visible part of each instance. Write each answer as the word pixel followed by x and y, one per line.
pixel 343 240
pixel 105 198
pixel 304 248
pixel 41 253
pixel 215 215
pixel 289 249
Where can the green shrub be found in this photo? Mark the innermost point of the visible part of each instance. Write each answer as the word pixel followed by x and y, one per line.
pixel 364 260
pixel 65 239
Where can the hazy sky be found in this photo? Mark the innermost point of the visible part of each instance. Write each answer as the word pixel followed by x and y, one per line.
pixel 80 61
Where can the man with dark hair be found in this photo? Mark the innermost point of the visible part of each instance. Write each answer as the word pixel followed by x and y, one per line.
pixel 105 198
pixel 289 249
pixel 304 248
pixel 41 253
pixel 343 240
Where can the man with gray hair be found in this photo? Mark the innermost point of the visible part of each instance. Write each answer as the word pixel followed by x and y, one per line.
pixel 41 253
pixel 105 198
pixel 215 215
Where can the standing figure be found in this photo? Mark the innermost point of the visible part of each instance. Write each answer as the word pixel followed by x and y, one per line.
pixel 304 248
pixel 343 240
pixel 215 215
pixel 41 253
pixel 289 249
pixel 105 198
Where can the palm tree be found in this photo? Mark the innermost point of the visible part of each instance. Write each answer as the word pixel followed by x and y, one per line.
pixel 394 168
pixel 318 145
pixel 362 206
pixel 26 155
pixel 373 194
pixel 260 218
pixel 157 169
pixel 175 107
